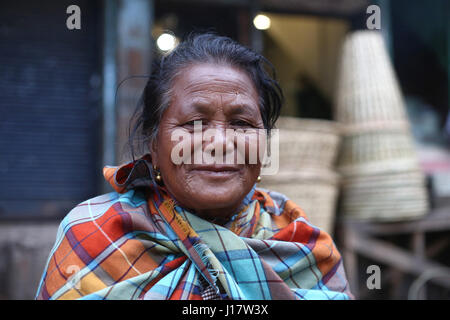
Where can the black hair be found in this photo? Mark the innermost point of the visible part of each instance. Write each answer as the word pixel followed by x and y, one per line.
pixel 202 48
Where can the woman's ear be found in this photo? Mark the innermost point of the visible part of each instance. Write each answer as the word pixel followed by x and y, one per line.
pixel 153 152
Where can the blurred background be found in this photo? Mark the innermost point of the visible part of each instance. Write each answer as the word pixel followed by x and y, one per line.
pixel 364 143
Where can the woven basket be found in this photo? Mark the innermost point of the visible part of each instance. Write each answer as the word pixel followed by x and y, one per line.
pixel 314 191
pixel 386 180
pixel 382 179
pixel 387 211
pixel 385 197
pixel 391 213
pixel 367 87
pixel 307 143
pixel 377 152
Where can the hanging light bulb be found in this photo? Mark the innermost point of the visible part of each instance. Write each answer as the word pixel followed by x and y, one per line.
pixel 166 42
pixel 261 22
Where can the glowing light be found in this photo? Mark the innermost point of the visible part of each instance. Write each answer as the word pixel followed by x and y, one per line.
pixel 166 42
pixel 261 22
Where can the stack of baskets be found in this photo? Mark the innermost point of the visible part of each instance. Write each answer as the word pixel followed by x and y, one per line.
pixel 307 153
pixel 382 179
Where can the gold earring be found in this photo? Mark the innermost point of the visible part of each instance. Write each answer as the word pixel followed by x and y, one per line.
pixel 258 179
pixel 158 177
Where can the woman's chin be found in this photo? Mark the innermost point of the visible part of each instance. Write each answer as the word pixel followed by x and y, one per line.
pixel 225 202
pixel 214 192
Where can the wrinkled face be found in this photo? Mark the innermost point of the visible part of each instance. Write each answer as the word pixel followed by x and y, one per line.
pixel 218 97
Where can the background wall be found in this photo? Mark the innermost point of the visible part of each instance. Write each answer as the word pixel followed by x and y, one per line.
pixel 24 249
pixel 303 45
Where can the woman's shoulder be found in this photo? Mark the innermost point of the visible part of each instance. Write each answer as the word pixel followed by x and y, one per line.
pixel 112 203
pixel 274 201
pixel 277 203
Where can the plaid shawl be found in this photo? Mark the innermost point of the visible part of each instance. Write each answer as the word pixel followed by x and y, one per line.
pixel 137 243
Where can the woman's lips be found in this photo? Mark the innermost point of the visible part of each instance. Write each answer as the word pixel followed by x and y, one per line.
pixel 216 170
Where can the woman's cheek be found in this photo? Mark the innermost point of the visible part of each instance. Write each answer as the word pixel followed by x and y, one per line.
pixel 250 146
pixel 181 147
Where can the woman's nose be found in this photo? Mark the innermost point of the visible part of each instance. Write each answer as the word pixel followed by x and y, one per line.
pixel 219 142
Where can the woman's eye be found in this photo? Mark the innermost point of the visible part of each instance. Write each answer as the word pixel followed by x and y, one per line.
pixel 241 123
pixel 193 123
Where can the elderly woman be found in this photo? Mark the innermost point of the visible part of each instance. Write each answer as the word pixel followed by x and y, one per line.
pixel 195 230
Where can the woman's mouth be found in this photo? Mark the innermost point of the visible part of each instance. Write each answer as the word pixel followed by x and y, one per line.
pixel 215 170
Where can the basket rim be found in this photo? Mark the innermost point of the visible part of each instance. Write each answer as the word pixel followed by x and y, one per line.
pixel 289 123
pixel 308 174
pixel 383 127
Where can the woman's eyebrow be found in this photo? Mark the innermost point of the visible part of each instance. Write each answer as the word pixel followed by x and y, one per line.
pixel 203 106
pixel 241 108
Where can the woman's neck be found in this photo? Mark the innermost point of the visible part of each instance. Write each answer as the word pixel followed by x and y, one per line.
pixel 219 216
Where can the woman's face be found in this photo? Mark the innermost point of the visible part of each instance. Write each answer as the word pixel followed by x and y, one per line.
pixel 219 97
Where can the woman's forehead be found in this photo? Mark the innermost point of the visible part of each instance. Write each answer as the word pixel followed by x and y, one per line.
pixel 214 85
pixel 209 77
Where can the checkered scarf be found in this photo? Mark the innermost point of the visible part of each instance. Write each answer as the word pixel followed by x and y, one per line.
pixel 137 243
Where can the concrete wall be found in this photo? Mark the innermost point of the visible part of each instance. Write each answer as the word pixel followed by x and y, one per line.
pixel 24 249
pixel 134 56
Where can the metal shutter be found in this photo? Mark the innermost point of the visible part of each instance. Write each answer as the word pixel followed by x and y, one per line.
pixel 49 107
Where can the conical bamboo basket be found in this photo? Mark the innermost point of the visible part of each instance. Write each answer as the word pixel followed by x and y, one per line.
pixel 382 179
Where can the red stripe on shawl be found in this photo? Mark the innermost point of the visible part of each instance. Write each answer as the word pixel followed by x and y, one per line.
pixel 95 241
pixel 295 232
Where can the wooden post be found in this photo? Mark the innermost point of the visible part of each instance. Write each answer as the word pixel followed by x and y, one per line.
pixel 418 246
pixel 350 261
